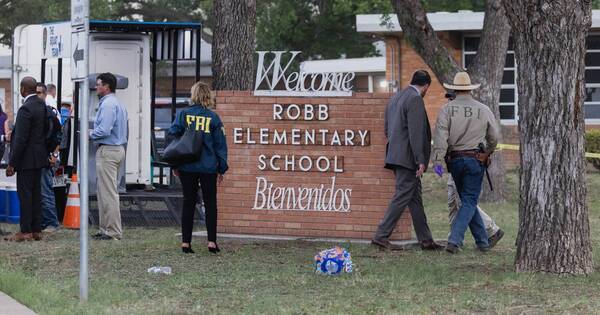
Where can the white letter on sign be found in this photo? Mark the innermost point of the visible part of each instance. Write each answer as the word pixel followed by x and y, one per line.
pixel 323 112
pixel 260 192
pixel 309 112
pixel 277 109
pixel 262 163
pixel 237 135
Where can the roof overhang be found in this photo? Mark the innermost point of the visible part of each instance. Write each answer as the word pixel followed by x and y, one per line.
pixel 136 26
pixel 462 20
pixel 357 65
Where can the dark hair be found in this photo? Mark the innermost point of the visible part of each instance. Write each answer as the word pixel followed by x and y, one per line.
pixel 42 85
pixel 109 79
pixel 420 78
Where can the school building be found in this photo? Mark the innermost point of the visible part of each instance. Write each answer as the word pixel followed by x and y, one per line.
pixel 460 32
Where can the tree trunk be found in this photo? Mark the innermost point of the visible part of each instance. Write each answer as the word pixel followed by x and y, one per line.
pixel 554 234
pixel 233 44
pixel 487 68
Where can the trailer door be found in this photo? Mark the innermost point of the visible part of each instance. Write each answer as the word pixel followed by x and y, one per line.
pixel 125 57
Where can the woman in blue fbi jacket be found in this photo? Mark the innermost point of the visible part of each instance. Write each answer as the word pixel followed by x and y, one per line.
pixel 207 171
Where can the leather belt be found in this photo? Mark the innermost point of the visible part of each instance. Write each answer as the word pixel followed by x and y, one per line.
pixel 464 153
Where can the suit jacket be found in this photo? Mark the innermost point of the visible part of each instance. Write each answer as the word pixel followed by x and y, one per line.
pixel 407 130
pixel 28 143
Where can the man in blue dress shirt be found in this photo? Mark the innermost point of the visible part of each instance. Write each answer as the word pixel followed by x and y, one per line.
pixel 110 134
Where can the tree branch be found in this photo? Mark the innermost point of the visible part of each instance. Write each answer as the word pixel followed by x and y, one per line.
pixel 419 33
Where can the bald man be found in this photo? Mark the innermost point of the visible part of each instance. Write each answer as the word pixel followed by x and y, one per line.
pixel 28 157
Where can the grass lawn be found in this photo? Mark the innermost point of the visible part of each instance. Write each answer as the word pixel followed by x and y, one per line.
pixel 260 277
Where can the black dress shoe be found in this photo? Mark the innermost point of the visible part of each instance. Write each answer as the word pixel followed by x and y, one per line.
pixel 105 237
pixel 215 249
pixel 452 249
pixel 187 250
pixel 383 245
pixel 483 249
pixel 494 239
pixel 386 245
pixel 97 235
pixel 430 245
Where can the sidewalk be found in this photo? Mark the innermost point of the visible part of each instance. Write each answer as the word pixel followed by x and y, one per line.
pixel 9 306
pixel 408 244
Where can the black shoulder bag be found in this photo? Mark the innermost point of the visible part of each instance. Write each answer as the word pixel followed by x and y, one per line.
pixel 185 149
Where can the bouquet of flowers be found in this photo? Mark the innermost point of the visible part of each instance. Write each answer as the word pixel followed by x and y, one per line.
pixel 333 261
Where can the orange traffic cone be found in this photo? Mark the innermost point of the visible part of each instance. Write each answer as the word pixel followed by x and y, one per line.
pixel 71 218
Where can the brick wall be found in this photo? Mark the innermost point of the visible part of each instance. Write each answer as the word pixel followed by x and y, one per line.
pixel 372 186
pixel 411 62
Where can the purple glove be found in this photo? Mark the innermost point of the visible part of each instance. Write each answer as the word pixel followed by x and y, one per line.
pixel 438 169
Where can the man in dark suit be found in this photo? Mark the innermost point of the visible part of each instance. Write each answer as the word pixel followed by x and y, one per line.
pixel 28 157
pixel 409 148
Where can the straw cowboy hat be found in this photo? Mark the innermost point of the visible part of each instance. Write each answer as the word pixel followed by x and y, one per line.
pixel 462 82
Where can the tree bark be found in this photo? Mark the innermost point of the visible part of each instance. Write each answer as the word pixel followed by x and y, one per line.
pixel 487 67
pixel 418 32
pixel 554 234
pixel 233 44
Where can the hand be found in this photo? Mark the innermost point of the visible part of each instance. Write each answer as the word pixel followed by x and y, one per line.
pixel 421 170
pixel 175 173
pixel 219 179
pixel 438 169
pixel 10 171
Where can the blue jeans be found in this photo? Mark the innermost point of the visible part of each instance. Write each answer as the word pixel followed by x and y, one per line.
pixel 49 216
pixel 468 176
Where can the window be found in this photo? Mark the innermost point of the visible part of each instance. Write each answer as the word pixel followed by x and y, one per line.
pixel 592 79
pixel 508 94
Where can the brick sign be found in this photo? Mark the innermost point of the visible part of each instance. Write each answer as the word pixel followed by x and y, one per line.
pixel 302 166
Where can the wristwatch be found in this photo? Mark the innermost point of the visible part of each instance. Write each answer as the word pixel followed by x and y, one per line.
pixel 55 154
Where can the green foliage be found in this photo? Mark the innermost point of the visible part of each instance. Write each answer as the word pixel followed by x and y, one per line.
pixel 165 10
pixel 320 29
pixel 15 13
pixel 592 141
pixel 592 145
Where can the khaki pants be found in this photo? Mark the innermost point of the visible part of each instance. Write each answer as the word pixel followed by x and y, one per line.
pixel 108 160
pixel 454 205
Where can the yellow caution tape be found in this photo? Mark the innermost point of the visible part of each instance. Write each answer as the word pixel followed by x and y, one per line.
pixel 508 147
pixel 516 148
